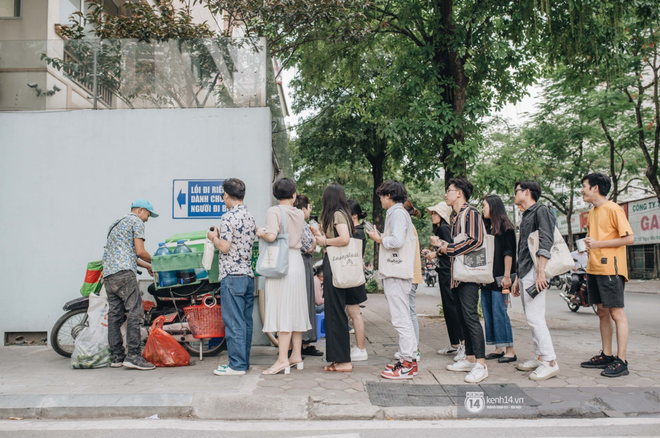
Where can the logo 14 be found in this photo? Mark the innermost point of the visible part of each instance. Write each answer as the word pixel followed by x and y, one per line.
pixel 475 402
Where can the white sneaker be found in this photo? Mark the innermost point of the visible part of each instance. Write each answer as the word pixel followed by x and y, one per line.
pixel 224 370
pixel 529 365
pixel 448 350
pixel 418 356
pixel 358 355
pixel 544 371
pixel 461 365
pixel 477 374
pixel 460 353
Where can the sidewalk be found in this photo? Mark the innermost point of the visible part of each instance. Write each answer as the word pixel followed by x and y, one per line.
pixel 643 286
pixel 37 383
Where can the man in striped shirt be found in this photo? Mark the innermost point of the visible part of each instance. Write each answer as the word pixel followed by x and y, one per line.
pixel 466 295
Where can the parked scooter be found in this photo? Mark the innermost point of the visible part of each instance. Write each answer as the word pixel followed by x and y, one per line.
pixel 169 303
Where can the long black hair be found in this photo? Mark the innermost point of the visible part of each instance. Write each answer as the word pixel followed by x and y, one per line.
pixel 499 222
pixel 334 199
pixel 355 209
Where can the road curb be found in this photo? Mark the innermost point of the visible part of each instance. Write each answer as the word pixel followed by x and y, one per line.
pixel 239 407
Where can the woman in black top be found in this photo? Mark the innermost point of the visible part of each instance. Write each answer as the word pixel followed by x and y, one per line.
pixel 441 218
pixel 494 297
pixel 357 295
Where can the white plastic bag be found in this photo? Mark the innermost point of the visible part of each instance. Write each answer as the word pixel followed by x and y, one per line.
pixel 91 349
pixel 97 312
pixel 209 252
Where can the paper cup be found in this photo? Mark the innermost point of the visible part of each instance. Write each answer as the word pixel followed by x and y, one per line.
pixel 581 245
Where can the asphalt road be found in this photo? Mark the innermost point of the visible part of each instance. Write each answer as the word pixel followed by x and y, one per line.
pixel 641 309
pixel 630 427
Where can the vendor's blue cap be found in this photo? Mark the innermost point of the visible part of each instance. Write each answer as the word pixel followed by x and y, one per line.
pixel 143 203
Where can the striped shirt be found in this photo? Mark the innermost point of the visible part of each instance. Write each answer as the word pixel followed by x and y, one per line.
pixel 474 228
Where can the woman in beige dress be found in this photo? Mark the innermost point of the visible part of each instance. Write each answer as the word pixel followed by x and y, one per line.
pixel 286 297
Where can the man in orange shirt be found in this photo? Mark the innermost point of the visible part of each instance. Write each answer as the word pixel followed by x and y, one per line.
pixel 608 233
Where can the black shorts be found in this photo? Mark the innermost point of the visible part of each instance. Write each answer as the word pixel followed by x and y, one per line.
pixel 356 295
pixel 606 290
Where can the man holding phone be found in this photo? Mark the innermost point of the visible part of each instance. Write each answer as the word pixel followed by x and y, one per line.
pixel 531 283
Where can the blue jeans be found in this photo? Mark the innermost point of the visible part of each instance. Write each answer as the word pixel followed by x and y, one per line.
pixel 498 325
pixel 237 299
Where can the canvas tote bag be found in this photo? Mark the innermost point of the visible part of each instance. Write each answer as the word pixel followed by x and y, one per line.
pixel 400 262
pixel 346 264
pixel 477 265
pixel 560 261
pixel 273 258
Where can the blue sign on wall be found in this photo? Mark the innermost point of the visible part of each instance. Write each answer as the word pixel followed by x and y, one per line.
pixel 197 199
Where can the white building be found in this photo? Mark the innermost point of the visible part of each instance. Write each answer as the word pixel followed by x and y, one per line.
pixel 67 174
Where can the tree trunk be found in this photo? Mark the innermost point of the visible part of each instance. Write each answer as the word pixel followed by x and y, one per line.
pixel 377 163
pixel 613 175
pixel 569 216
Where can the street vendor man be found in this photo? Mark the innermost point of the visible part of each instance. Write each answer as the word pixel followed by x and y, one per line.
pixel 124 252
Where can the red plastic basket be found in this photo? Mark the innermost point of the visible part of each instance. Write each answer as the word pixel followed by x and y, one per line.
pixel 205 321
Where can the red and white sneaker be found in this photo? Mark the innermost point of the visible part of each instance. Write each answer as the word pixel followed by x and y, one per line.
pixel 391 366
pixel 401 370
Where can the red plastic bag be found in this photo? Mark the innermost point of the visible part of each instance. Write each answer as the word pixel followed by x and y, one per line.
pixel 162 349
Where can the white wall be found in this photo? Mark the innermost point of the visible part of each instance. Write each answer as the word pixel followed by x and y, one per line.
pixel 65 176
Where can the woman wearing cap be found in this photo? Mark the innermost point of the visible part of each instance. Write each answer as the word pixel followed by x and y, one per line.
pixel 441 218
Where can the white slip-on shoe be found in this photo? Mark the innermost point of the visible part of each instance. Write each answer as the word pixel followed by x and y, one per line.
pixel 461 365
pixel 460 353
pixel 544 371
pixel 529 365
pixel 477 374
pixel 358 355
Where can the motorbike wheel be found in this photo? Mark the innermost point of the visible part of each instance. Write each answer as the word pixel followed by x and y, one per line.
pixel 65 331
pixel 574 307
pixel 211 347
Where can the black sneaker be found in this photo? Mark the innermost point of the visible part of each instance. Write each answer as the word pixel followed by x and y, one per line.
pixel 117 362
pixel 311 351
pixel 138 363
pixel 616 369
pixel 599 361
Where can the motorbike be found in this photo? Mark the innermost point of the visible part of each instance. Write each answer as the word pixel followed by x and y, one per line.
pixel 581 297
pixel 169 302
pixel 560 281
pixel 431 276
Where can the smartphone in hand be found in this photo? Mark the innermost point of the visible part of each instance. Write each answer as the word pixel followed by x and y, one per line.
pixel 370 227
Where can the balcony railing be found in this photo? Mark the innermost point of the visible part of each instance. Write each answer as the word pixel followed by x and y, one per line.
pixel 124 73
pixel 85 78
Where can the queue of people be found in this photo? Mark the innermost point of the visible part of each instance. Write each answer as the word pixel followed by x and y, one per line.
pixel 460 231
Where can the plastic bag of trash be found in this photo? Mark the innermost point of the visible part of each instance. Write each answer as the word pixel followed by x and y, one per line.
pixel 91 349
pixel 162 349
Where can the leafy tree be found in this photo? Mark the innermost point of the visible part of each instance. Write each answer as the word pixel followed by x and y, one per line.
pixel 173 66
pixel 460 58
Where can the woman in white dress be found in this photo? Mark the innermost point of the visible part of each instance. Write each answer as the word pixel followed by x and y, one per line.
pixel 286 297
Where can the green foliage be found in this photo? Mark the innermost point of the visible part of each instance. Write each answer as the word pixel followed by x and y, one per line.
pixel 145 23
pixel 372 286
